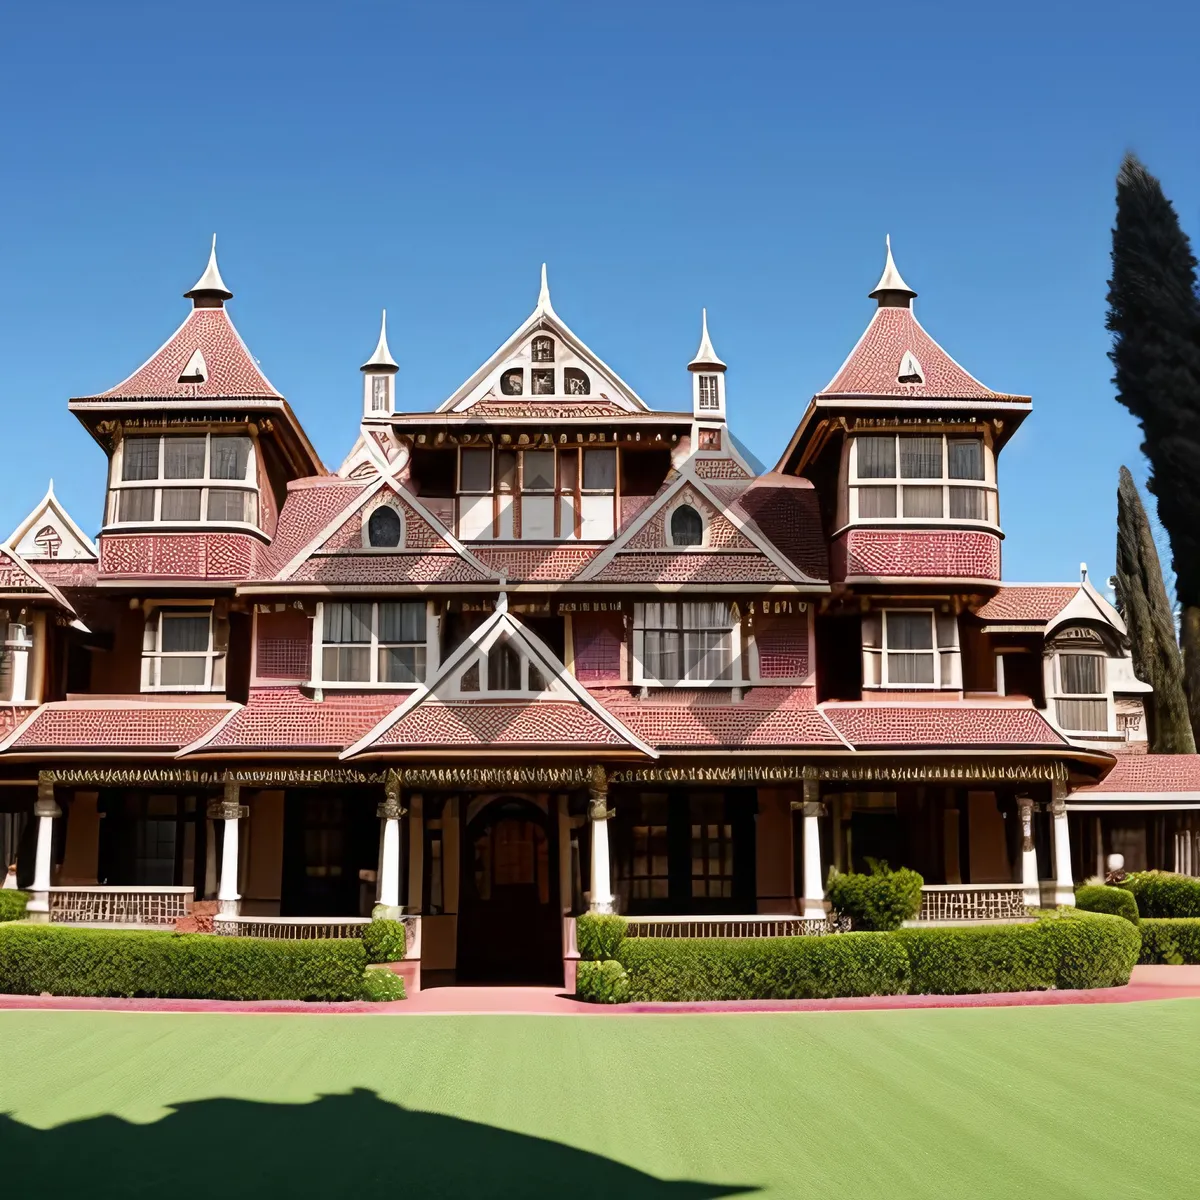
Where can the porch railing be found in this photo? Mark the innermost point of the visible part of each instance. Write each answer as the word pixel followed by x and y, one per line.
pixel 290 927
pixel 102 905
pixel 972 902
pixel 754 925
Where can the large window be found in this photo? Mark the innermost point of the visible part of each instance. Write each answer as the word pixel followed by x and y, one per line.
pixel 207 479
pixel 1081 703
pixel 688 642
pixel 911 648
pixel 180 651
pixel 919 477
pixel 374 643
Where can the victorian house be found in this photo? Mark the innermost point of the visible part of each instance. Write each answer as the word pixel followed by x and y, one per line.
pixel 540 647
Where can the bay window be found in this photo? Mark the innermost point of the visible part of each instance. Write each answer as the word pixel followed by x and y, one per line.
pixel 911 649
pixel 1081 700
pixel 373 643
pixel 202 479
pixel 183 650
pixel 685 642
pixel 920 477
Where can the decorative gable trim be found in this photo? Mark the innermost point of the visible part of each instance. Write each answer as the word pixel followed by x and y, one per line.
pixel 17 576
pixel 75 545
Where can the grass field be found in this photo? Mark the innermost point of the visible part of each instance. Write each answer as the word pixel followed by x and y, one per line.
pixel 1044 1103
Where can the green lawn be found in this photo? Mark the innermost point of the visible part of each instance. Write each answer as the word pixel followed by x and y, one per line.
pixel 1040 1103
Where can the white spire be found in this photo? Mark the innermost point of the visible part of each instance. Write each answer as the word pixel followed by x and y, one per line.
pixel 382 358
pixel 210 284
pixel 543 304
pixel 891 280
pixel 706 356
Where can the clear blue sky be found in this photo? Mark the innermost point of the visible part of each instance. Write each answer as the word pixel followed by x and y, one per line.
pixel 660 157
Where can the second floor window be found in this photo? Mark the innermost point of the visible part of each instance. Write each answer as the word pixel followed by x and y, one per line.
pixel 180 651
pixel 911 648
pixel 920 477
pixel 1081 703
pixel 376 643
pixel 691 642
pixel 207 479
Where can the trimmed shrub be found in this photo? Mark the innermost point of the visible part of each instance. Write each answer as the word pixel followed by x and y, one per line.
pixel 599 936
pixel 1115 901
pixel 1170 940
pixel 1163 894
pixel 882 900
pixel 12 905
pixel 797 968
pixel 381 985
pixel 601 982
pixel 103 962
pixel 385 941
pixel 1092 950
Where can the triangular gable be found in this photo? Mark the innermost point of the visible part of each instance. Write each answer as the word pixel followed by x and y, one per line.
pixel 1087 605
pixel 467 713
pixel 423 532
pixel 730 534
pixel 18 578
pixel 50 533
pixel 515 353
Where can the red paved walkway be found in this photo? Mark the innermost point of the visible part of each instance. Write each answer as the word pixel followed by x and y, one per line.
pixel 1148 983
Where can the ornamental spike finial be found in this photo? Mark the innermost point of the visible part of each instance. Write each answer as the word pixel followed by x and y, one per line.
pixel 891 291
pixel 381 359
pixel 706 357
pixel 210 286
pixel 543 303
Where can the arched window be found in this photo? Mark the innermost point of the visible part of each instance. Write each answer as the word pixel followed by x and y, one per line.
pixel 542 349
pixel 384 529
pixel 504 668
pixel 512 383
pixel 687 527
pixel 576 382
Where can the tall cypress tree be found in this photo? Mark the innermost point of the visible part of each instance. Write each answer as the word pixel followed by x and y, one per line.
pixel 1155 318
pixel 1151 624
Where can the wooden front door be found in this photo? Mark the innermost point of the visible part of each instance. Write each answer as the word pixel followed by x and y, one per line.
pixel 509 923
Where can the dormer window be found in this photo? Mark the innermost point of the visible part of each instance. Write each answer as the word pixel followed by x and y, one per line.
pixel 503 668
pixel 184 480
pixel 542 350
pixel 920 477
pixel 542 382
pixel 195 370
pixel 710 397
pixel 687 526
pixel 910 370
pixel 512 383
pixel 385 528
pixel 576 382
pixel 1081 703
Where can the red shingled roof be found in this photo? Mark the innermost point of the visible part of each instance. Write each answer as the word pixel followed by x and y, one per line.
pixel 1149 773
pixel 107 725
pixel 787 512
pixel 874 364
pixel 1028 602
pixel 283 717
pixel 950 725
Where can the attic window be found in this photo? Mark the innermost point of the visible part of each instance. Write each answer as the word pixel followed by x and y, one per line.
pixel 910 370
pixel 504 668
pixel 542 382
pixel 512 383
pixel 687 526
pixel 48 541
pixel 542 349
pixel 385 528
pixel 576 382
pixel 196 370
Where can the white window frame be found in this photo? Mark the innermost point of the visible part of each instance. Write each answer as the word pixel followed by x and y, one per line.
pixel 373 647
pixel 947 658
pixel 708 393
pixel 117 486
pixel 986 485
pixel 1105 695
pixel 159 613
pixel 737 675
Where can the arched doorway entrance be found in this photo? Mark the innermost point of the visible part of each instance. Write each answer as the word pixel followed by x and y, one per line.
pixel 509 920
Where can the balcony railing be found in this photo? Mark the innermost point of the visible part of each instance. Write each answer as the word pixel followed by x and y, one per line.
pixel 754 925
pixel 102 905
pixel 972 902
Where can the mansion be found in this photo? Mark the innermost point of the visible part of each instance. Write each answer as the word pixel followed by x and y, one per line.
pixel 539 647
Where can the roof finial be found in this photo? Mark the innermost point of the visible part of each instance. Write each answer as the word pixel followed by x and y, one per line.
pixel 381 360
pixel 544 293
pixel 891 291
pixel 209 291
pixel 1083 573
pixel 706 357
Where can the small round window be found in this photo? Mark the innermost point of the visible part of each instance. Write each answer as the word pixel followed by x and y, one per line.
pixel 687 529
pixel 385 527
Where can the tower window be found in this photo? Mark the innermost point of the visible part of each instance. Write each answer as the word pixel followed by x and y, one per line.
pixel 687 527
pixel 512 383
pixel 910 370
pixel 709 393
pixel 576 382
pixel 542 350
pixel 379 393
pixel 920 477
pixel 384 529
pixel 196 370
pixel 543 382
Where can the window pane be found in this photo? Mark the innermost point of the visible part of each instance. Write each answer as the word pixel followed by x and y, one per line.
pixel 967 504
pixel 568 470
pixel 921 457
pixel 966 458
pixel 1086 715
pixel 139 458
pixel 476 471
pixel 347 623
pixel 538 468
pixel 910 668
pixel 922 501
pixel 1081 674
pixel 402 664
pixel 599 470
pixel 182 634
pixel 506 470
pixel 876 457
pixel 402 622
pixel 180 504
pixel 707 654
pixel 876 501
pixel 661 653
pixel 136 504
pixel 687 527
pixel 504 669
pixel 181 672
pixel 346 664
pixel 909 631
pixel 184 458
pixel 706 614
pixel 227 504
pixel 230 457
pixel 384 528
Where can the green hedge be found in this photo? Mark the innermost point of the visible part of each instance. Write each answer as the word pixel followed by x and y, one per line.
pixel 604 982
pixel 385 941
pixel 1170 940
pixel 102 962
pixel 12 905
pixel 599 936
pixel 1113 900
pixel 795 968
pixel 884 899
pixel 1162 894
pixel 381 985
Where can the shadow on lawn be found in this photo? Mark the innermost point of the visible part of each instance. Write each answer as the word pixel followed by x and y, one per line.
pixel 241 1149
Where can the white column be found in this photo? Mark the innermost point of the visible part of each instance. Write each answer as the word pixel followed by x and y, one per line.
pixel 599 814
pixel 812 903
pixel 20 664
pixel 231 811
pixel 389 812
pixel 45 809
pixel 1029 864
pixel 1064 884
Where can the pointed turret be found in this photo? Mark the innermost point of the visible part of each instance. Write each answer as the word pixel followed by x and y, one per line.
pixel 379 385
pixel 708 377
pixel 891 291
pixel 381 359
pixel 209 291
pixel 706 357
